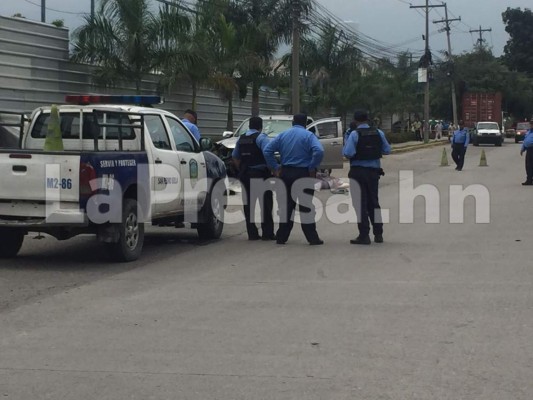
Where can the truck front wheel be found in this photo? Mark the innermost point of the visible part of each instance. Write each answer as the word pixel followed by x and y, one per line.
pixel 212 210
pixel 131 234
pixel 10 242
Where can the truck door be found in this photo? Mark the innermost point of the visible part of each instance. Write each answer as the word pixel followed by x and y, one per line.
pixel 164 169
pixel 192 165
pixel 329 132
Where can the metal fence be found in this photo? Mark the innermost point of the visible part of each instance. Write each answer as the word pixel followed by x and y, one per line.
pixel 35 70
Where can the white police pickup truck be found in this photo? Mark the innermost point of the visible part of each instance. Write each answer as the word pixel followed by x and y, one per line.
pixel 121 166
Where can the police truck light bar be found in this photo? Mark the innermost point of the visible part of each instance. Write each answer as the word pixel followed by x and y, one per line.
pixel 113 99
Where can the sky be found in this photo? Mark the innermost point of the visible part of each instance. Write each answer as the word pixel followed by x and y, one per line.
pixel 391 22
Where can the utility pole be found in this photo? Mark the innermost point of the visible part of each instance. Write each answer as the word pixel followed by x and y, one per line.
pixel 295 72
pixel 450 61
pixel 43 10
pixel 92 9
pixel 480 40
pixel 427 62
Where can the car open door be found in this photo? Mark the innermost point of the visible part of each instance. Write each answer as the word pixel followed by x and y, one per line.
pixel 329 131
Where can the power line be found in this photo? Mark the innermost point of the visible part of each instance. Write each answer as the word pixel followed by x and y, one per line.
pixel 53 9
pixel 368 45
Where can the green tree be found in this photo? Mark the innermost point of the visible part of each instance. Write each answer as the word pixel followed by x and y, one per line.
pixel 119 40
pixel 225 58
pixel 480 71
pixel 182 52
pixel 262 25
pixel 518 52
pixel 58 23
pixel 332 66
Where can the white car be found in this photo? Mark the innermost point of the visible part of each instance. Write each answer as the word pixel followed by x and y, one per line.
pixel 328 130
pixel 487 132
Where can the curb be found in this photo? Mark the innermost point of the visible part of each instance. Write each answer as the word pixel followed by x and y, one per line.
pixel 407 149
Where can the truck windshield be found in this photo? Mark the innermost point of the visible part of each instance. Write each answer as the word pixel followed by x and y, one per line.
pixel 488 125
pixel 522 126
pixel 272 127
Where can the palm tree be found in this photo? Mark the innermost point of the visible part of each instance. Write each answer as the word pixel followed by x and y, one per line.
pixel 225 58
pixel 119 40
pixel 333 66
pixel 182 49
pixel 262 25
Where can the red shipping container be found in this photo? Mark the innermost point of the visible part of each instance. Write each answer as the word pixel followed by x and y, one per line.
pixel 479 107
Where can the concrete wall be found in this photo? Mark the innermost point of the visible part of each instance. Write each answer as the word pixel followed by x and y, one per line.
pixel 35 70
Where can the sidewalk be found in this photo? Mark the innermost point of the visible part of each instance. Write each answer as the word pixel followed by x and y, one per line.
pixel 414 145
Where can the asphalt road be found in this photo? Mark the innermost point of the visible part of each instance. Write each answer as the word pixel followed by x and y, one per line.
pixel 439 311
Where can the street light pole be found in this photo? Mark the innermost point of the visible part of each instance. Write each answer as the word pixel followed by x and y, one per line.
pixel 426 92
pixel 450 61
pixel 92 9
pixel 295 72
pixel 427 58
pixel 43 10
pixel 454 96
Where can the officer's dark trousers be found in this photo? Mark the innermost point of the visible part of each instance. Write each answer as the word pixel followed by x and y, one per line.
pixel 364 183
pixel 529 165
pixel 458 154
pixel 265 203
pixel 289 176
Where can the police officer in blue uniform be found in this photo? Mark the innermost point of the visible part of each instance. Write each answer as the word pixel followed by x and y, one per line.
pixel 250 162
pixel 301 154
pixel 460 140
pixel 364 148
pixel 527 146
pixel 190 120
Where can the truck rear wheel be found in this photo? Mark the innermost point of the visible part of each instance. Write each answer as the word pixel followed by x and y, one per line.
pixel 131 234
pixel 212 212
pixel 10 242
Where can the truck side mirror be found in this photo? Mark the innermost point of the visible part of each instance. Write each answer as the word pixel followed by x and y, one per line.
pixel 227 134
pixel 206 144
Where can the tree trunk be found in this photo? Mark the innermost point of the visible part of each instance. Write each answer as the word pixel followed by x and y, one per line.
pixel 255 99
pixel 229 126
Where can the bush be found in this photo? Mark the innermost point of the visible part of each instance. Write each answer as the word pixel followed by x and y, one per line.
pixel 400 137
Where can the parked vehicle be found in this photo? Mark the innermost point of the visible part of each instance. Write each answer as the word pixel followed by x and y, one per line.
pixel 487 132
pixel 520 132
pixel 121 166
pixel 328 130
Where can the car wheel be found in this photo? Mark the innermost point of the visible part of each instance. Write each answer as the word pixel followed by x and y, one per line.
pixel 475 142
pixel 131 234
pixel 516 140
pixel 10 242
pixel 212 214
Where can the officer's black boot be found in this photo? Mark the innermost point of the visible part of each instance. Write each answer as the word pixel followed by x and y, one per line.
pixel 361 240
